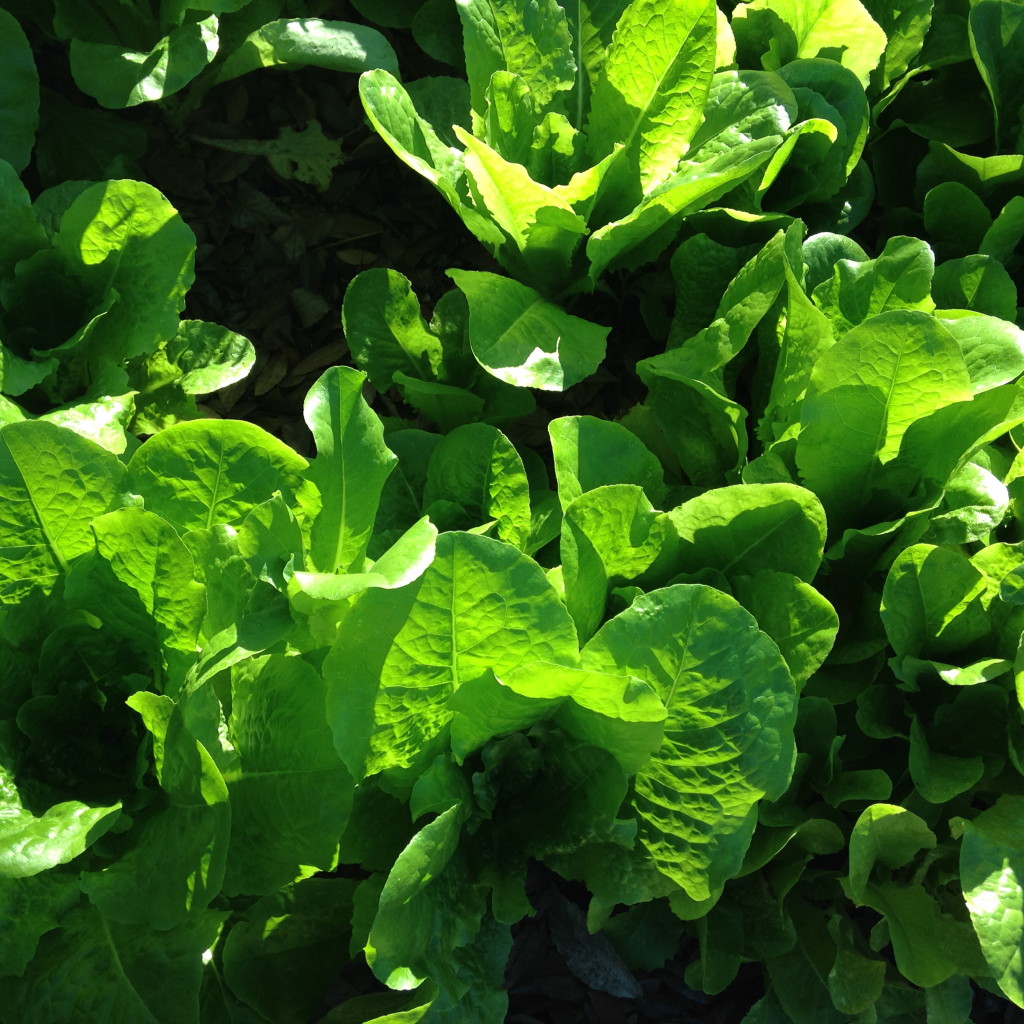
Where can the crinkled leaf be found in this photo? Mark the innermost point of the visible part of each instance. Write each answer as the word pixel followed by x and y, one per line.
pixel 530 39
pixel 481 606
pixel 933 602
pixel 199 359
pixel 53 483
pixel 979 283
pixel 653 86
pixel 610 535
pixel 111 973
pixel 731 705
pixel 542 228
pixel 32 907
pixel 801 621
pixel 31 844
pixel 187 835
pixel 900 278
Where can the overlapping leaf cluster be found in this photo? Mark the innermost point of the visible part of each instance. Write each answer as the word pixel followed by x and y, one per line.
pixel 745 660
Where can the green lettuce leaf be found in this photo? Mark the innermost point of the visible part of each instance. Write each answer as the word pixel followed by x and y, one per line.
pixel 53 484
pixel 731 705
pixel 481 606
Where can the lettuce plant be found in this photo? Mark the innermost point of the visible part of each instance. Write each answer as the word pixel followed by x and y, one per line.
pixel 92 283
pixel 587 132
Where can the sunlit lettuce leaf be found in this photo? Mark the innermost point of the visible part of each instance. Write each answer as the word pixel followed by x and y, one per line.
pixel 123 238
pixel 778 33
pixel 522 339
pixel 119 76
pixel 477 467
pixel 139 580
pixel 528 39
pixel 385 330
pixel 199 359
pixel 415 142
pixel 746 528
pixel 610 536
pixel 231 467
pixel 432 922
pixel 652 88
pixel 731 705
pixel 30 844
pixel 990 873
pixel 348 473
pixel 481 606
pixel 53 483
pixel 301 42
pixel 884 374
pixel 589 452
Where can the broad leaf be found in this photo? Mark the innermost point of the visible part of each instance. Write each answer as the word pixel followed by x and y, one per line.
pixel 990 872
pixel 385 330
pixel 779 32
pixel 865 393
pixel 997 42
pixel 530 39
pixel 476 467
pixel 522 339
pixel 30 844
pixel 126 240
pixel 728 737
pixel 481 606
pixel 53 484
pixel 118 76
pixel 746 528
pixel 415 142
pixel 140 582
pixel 301 42
pixel 589 452
pixel 230 468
